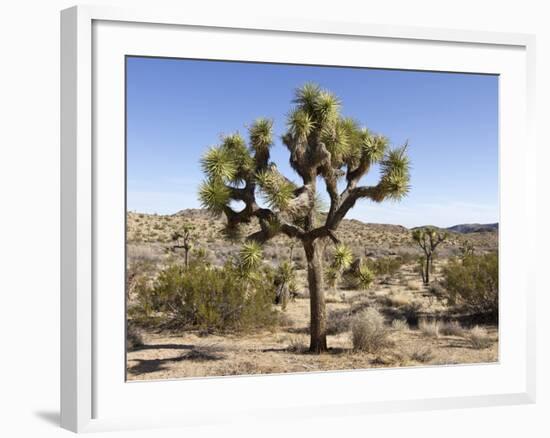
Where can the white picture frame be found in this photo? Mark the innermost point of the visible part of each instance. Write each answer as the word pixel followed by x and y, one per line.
pixel 92 41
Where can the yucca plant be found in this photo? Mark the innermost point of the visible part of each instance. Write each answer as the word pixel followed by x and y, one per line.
pixel 343 257
pixel 322 145
pixel 250 257
pixel 341 261
pixel 285 282
pixel 365 277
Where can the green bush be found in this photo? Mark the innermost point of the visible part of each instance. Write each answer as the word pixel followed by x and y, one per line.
pixel 472 282
pixel 385 265
pixel 214 299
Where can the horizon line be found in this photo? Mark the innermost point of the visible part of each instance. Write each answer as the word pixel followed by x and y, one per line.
pixel 496 222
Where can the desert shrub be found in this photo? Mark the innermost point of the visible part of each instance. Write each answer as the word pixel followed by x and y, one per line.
pixel 143 304
pixel 215 299
pixel 399 325
pixel 385 265
pixel 437 290
pixel 421 354
pixel 338 321
pixel 297 345
pixel 369 333
pixel 479 338
pixel 134 338
pixel 411 312
pixel 429 328
pixel 472 282
pixel 399 300
pixel 285 320
pixel 451 328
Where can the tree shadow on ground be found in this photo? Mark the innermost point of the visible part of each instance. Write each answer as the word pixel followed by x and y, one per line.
pixel 297 330
pixel 461 344
pixel 196 354
pixel 164 347
pixel 331 350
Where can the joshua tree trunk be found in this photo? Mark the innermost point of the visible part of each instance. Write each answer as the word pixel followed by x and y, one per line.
pixel 427 269
pixel 318 339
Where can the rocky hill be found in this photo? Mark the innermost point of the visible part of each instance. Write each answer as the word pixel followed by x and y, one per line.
pixel 474 228
pixel 153 233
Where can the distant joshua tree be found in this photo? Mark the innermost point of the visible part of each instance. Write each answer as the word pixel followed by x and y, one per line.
pixel 323 145
pixel 183 236
pixel 428 239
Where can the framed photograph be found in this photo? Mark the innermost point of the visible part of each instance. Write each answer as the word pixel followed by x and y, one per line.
pixel 266 217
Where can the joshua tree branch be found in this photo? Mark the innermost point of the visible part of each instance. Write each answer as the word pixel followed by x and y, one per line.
pixel 350 198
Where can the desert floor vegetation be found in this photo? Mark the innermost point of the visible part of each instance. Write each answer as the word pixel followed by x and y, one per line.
pixel 229 311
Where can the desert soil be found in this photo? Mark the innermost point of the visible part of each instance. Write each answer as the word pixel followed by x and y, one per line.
pixel 167 355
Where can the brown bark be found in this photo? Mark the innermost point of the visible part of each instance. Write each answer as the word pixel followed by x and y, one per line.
pixel 427 269
pixel 318 335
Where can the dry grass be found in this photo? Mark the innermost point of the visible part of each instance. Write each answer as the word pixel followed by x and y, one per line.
pixel 297 344
pixel 400 299
pixel 479 338
pixel 452 328
pixel 429 327
pixel 369 332
pixel 399 325
pixel 420 353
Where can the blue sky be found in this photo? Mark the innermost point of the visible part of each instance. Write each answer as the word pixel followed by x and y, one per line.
pixel 177 108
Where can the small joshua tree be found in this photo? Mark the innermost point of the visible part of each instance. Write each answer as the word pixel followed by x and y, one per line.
pixel 184 236
pixel 428 239
pixel 467 249
pixel 323 145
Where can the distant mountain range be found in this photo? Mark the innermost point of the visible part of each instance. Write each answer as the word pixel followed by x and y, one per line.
pixel 473 228
pixel 192 213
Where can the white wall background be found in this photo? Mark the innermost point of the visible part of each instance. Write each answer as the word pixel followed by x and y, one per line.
pixel 29 215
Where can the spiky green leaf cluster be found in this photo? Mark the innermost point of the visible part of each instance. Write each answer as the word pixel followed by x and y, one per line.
pixel 327 107
pixel 395 167
pixel 316 117
pixel 343 257
pixel 285 272
pixel 365 276
pixel 300 123
pixel 306 96
pixel 225 166
pixel 235 148
pixel 214 195
pixel 218 164
pixel 250 256
pixel 261 135
pixel 277 191
pixel 374 146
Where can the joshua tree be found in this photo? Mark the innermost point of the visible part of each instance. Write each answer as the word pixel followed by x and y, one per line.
pixel 428 239
pixel 185 234
pixel 467 249
pixel 324 146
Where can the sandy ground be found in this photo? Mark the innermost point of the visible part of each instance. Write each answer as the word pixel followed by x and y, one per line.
pixel 181 355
